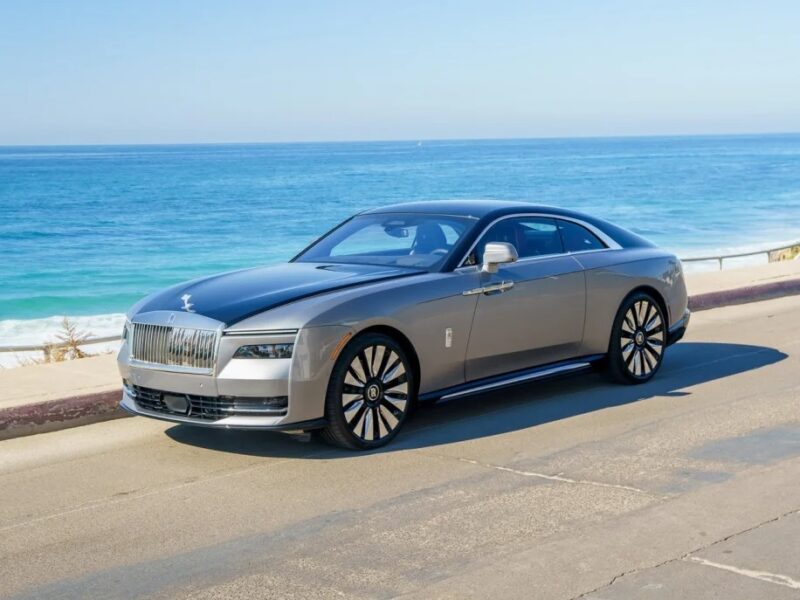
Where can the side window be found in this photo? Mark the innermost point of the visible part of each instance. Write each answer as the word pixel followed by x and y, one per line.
pixel 577 238
pixel 531 236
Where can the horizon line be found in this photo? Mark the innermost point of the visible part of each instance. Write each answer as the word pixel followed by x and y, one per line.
pixel 406 140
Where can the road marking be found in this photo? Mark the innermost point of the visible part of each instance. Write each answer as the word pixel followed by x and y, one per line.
pixel 557 477
pixel 760 575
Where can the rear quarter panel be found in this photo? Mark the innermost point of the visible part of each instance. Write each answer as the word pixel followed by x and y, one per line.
pixel 612 275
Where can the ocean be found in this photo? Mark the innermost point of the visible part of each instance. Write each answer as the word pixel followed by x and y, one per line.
pixel 87 230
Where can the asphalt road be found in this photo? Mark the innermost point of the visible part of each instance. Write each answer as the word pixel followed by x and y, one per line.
pixel 687 487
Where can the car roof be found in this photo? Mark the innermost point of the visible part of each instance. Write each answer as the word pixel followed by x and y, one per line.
pixel 469 208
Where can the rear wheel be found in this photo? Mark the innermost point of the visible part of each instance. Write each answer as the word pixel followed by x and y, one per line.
pixel 638 340
pixel 370 393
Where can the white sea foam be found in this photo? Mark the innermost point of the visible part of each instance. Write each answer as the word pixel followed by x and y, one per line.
pixel 30 332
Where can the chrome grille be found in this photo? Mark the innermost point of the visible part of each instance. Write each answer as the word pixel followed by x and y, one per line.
pixel 174 346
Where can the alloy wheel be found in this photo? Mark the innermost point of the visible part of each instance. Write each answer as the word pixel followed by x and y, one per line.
pixel 642 338
pixel 375 393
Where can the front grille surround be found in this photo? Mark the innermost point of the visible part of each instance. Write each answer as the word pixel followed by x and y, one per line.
pixel 210 408
pixel 175 348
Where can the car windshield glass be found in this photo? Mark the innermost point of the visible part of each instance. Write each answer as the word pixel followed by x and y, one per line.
pixel 404 240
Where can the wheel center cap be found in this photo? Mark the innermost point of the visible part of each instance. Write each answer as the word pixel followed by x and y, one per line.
pixel 373 392
pixel 639 338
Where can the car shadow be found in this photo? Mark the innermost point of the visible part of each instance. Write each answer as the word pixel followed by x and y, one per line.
pixel 686 364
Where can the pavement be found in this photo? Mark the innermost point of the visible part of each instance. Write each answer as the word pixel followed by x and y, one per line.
pixel 685 487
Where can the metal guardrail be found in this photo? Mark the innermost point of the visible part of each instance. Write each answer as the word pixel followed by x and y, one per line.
pixel 769 252
pixel 720 259
pixel 40 347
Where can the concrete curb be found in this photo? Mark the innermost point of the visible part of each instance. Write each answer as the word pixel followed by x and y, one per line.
pixel 52 415
pixel 751 293
pixel 64 413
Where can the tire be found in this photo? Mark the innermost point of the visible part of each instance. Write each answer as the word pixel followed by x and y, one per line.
pixel 370 393
pixel 638 340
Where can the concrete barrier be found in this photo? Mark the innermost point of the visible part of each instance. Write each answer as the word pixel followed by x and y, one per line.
pixel 52 415
pixel 753 293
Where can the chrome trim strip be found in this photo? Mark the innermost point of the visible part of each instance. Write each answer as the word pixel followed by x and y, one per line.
pixel 529 259
pixel 170 368
pixel 244 332
pixel 177 318
pixel 275 412
pixel 518 379
pixel 605 238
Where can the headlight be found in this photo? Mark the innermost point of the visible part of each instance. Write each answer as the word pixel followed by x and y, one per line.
pixel 265 351
pixel 126 333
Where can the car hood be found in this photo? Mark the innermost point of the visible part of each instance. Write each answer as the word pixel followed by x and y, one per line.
pixel 231 297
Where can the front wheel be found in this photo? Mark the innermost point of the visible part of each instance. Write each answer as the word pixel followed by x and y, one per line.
pixel 369 395
pixel 638 340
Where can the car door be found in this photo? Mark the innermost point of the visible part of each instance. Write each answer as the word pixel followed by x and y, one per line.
pixel 530 312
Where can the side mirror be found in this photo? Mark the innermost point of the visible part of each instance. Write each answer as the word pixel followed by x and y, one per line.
pixel 498 253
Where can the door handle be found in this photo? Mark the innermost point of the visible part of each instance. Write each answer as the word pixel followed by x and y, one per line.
pixel 490 289
pixel 472 292
pixel 498 287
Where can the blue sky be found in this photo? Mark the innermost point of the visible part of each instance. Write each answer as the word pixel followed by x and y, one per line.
pixel 195 71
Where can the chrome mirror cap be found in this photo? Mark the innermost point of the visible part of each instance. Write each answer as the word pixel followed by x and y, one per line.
pixel 498 253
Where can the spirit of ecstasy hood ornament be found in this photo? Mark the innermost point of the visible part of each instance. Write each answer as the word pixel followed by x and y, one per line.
pixel 187 306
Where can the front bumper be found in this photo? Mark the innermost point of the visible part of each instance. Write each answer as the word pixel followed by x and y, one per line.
pixel 272 422
pixel 237 392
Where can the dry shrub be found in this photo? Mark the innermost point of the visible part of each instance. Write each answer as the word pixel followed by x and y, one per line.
pixel 790 253
pixel 66 347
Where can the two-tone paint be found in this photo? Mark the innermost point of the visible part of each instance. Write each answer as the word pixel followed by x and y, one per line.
pixel 535 317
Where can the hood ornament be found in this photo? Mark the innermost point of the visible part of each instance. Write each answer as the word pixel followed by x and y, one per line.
pixel 187 306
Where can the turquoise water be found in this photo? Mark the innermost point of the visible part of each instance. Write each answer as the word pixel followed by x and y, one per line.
pixel 88 230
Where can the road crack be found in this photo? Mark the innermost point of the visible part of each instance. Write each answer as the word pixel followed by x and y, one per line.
pixel 687 556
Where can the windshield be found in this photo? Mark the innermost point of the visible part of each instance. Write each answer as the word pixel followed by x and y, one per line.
pixel 402 240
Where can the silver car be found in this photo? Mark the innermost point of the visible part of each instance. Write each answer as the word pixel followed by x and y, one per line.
pixel 398 305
